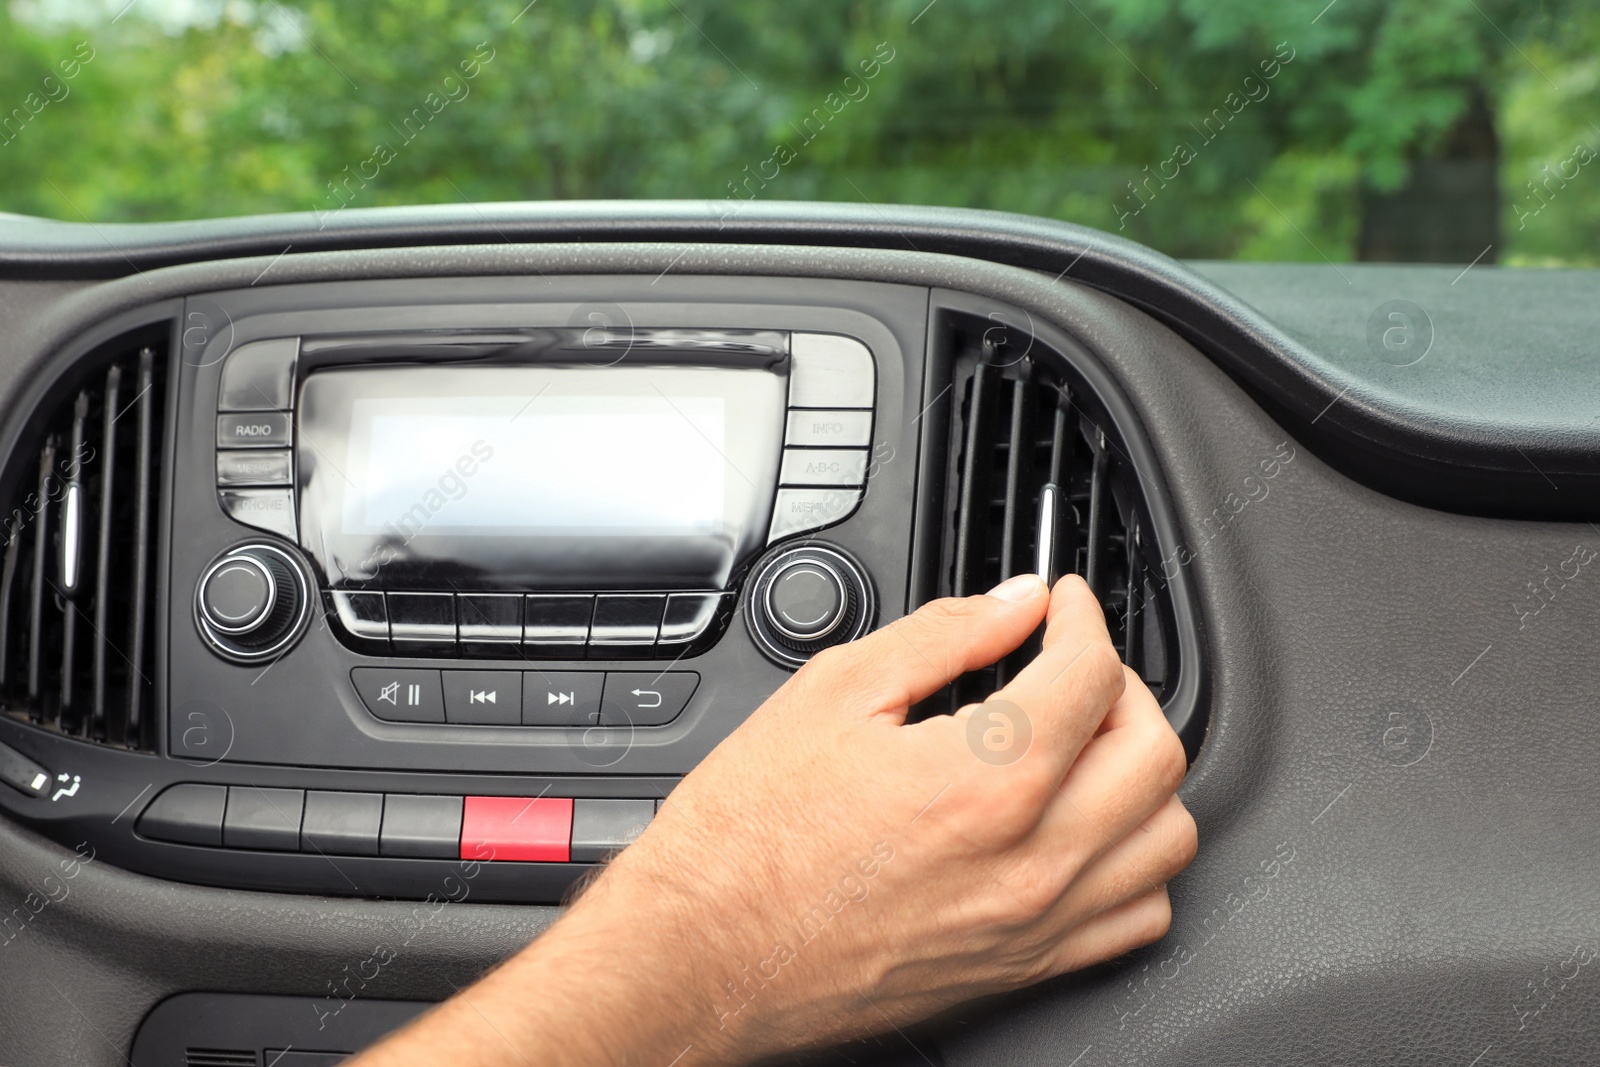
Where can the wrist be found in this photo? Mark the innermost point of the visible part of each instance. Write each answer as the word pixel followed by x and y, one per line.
pixel 638 956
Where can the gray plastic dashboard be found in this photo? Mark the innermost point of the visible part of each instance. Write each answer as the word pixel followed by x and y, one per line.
pixel 1397 859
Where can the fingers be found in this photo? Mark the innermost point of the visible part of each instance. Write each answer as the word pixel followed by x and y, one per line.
pixel 1067 689
pixel 1136 865
pixel 1108 935
pixel 1124 775
pixel 914 657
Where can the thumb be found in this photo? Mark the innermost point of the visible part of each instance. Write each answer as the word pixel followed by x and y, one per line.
pixel 914 657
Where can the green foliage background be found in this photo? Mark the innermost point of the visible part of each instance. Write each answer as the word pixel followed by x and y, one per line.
pixel 194 108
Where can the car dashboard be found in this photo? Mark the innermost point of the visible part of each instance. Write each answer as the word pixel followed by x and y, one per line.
pixel 323 687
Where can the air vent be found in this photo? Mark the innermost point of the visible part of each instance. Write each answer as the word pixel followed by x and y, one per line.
pixel 77 582
pixel 1037 479
pixel 219 1057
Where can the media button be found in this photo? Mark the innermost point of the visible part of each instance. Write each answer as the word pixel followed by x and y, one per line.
pixel 483 698
pixel 561 698
pixel 270 467
pixel 254 429
pixel 645 698
pixel 400 695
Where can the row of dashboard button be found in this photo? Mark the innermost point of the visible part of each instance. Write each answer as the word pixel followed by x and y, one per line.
pixel 525 698
pixel 255 432
pixel 832 387
pixel 609 624
pixel 404 825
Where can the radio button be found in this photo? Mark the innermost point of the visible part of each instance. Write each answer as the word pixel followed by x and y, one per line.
pixel 265 509
pixel 483 698
pixel 362 614
pixel 422 618
pixel 254 468
pixel 400 694
pixel 824 466
pixel 824 429
pixel 254 429
pixel 798 511
pixel 829 371
pixel 554 622
pixel 643 698
pixel 688 616
pixel 622 622
pixel 490 618
pixel 561 698
pixel 259 375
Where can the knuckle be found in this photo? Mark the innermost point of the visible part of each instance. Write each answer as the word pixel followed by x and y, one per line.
pixel 1188 839
pixel 1032 892
pixel 1169 762
pixel 1157 918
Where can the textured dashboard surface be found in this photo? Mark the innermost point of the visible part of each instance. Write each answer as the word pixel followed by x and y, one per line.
pixel 1397 861
pixel 1404 433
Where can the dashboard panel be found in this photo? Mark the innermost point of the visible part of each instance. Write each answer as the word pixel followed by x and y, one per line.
pixel 1353 672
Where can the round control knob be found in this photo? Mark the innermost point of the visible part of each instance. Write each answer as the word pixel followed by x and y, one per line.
pixel 237 593
pixel 804 598
pixel 253 601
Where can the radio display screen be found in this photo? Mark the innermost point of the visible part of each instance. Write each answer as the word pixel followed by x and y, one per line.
pixel 447 465
pixel 537 477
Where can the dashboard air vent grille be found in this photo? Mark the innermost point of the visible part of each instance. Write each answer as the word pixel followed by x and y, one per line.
pixel 219 1057
pixel 1038 480
pixel 77 579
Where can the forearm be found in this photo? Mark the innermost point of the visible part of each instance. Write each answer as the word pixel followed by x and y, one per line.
pixel 618 980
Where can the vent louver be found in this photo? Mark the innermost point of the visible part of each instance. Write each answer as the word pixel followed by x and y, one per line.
pixel 219 1057
pixel 1037 481
pixel 77 581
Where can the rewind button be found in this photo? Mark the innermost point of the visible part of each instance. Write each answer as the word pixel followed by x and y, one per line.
pixel 483 698
pixel 561 698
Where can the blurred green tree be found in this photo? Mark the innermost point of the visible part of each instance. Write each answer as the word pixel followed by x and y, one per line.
pixel 1409 129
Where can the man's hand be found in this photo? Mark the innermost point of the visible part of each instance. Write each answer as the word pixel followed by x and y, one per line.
pixel 830 871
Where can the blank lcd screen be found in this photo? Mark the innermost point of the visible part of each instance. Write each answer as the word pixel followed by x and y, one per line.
pixel 537 477
pixel 556 464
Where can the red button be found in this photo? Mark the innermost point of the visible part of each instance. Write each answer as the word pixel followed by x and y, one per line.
pixel 517 828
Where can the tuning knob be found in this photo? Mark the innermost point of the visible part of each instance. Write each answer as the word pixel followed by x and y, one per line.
pixel 805 598
pixel 253 602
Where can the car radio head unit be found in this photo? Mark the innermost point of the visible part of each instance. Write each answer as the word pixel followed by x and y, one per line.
pixel 536 477
pixel 543 493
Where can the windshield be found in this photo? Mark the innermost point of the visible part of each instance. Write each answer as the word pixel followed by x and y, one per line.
pixel 1419 130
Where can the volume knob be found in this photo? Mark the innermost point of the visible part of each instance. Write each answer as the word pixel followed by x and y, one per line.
pixel 252 602
pixel 805 598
